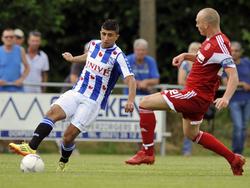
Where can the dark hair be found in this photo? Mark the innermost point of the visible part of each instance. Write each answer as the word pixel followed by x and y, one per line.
pixel 35 33
pixel 111 24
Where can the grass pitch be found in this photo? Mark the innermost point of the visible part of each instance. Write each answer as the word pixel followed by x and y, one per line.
pixel 97 171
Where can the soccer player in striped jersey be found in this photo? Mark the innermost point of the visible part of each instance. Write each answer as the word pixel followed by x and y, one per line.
pixel 105 62
pixel 199 91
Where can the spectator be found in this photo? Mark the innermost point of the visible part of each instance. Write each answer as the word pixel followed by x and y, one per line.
pixel 144 68
pixel 19 37
pixel 11 58
pixel 240 103
pixel 38 61
pixel 182 75
pixel 75 71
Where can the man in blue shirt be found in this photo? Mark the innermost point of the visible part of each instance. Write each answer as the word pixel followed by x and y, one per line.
pixel 144 68
pixel 240 102
pixel 12 56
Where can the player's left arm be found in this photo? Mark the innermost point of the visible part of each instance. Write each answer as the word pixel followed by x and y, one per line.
pixel 130 80
pixel 232 84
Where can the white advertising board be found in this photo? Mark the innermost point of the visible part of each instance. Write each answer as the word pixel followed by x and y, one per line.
pixel 21 113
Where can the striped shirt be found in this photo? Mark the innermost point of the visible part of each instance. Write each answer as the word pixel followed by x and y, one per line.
pixel 101 72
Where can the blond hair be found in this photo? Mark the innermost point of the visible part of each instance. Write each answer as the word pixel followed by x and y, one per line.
pixel 211 16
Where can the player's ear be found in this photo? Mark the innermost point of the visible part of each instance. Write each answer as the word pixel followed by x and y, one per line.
pixel 117 36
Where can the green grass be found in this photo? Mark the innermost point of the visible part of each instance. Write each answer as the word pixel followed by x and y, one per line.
pixel 90 171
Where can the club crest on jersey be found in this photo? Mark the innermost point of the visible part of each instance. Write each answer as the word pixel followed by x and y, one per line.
pixel 208 45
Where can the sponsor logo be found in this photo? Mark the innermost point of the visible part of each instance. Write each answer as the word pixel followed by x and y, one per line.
pixel 98 68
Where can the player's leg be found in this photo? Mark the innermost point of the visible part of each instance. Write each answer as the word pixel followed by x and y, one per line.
pixel 208 141
pixel 67 145
pixel 43 129
pixel 147 125
pixel 63 107
pixel 85 115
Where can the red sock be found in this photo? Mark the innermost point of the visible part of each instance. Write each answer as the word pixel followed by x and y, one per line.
pixel 210 142
pixel 147 124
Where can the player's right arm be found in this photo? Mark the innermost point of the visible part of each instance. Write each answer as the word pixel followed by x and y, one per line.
pixel 184 56
pixel 75 59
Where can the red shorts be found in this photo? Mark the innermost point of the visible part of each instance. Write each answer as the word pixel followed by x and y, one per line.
pixel 188 103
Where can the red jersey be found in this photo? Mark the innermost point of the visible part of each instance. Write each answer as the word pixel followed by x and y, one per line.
pixel 213 54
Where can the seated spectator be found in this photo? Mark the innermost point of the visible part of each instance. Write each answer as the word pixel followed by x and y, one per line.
pixel 144 68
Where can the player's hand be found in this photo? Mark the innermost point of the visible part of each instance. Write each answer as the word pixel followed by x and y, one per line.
pixel 221 103
pixel 68 56
pixel 129 106
pixel 178 60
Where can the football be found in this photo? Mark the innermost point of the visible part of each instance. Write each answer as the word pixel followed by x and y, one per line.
pixel 32 163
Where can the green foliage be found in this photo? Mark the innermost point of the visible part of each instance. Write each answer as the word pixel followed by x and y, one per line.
pixel 69 24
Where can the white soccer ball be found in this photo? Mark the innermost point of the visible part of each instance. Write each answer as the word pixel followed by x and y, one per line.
pixel 32 163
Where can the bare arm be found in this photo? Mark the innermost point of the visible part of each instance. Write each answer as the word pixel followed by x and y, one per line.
pixel 130 81
pixel 44 79
pixel 184 56
pixel 26 71
pixel 232 84
pixel 74 59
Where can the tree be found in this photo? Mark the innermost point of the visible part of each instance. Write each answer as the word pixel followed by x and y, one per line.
pixel 69 24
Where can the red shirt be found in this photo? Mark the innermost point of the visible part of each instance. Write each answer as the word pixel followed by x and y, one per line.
pixel 203 77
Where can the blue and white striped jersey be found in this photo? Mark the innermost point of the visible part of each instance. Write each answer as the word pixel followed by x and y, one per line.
pixel 102 70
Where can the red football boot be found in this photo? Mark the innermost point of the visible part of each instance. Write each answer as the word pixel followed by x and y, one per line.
pixel 237 165
pixel 141 158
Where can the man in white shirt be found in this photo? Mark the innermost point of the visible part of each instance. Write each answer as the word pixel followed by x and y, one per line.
pixel 39 63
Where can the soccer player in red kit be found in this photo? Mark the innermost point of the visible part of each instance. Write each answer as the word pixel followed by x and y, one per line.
pixel 194 100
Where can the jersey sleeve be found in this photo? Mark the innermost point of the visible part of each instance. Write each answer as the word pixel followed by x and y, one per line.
pixel 124 65
pixel 216 52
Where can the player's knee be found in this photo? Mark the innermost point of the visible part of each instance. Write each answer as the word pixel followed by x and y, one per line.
pixel 55 113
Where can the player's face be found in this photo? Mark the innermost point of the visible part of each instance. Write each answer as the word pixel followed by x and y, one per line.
pixel 201 24
pixel 108 38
